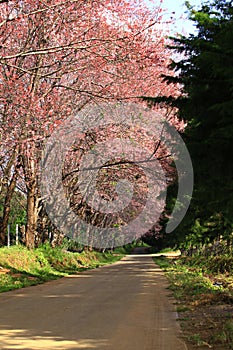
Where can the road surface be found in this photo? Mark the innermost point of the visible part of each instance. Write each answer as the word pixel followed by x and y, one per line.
pixel 124 306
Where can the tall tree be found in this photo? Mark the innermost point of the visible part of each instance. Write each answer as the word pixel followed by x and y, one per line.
pixel 55 57
pixel 205 71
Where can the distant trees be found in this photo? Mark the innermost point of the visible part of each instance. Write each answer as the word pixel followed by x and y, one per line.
pixel 205 71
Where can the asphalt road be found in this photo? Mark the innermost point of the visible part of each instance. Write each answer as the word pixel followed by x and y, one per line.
pixel 125 306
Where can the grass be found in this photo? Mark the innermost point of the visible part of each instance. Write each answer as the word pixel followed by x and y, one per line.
pixel 196 339
pixel 191 279
pixel 201 303
pixel 20 267
pixel 225 336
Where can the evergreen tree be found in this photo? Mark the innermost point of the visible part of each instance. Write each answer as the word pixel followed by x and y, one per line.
pixel 206 104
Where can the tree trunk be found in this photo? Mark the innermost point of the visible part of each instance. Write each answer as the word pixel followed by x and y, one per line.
pixel 7 207
pixel 2 235
pixel 31 215
pixel 10 167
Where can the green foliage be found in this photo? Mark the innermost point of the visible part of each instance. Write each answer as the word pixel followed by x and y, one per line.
pixel 205 71
pixel 163 263
pixel 18 209
pixel 213 264
pixel 127 248
pixel 225 336
pixel 196 339
pixel 72 245
pixel 185 284
pixel 200 302
pixel 20 267
pixel 189 277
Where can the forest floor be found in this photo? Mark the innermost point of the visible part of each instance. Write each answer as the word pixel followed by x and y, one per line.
pixel 204 301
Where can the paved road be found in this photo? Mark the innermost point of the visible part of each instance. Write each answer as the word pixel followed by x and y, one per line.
pixel 125 306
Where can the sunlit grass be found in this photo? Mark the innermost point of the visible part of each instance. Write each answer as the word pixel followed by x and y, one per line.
pixel 20 267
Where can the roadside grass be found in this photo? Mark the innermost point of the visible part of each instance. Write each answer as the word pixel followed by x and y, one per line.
pixel 203 289
pixel 20 267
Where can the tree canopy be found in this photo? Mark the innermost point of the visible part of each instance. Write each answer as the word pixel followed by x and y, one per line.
pixel 205 71
pixel 57 57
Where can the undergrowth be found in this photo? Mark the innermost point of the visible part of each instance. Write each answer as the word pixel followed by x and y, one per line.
pixel 20 267
pixel 203 289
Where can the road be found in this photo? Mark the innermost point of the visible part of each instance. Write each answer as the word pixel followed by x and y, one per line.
pixel 124 306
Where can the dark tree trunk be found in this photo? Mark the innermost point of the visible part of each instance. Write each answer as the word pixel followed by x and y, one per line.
pixel 31 215
pixel 7 206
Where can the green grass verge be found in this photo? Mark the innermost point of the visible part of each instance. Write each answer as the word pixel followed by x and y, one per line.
pixel 191 279
pixel 20 267
pixel 203 289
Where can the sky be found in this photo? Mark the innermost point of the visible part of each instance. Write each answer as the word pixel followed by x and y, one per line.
pixel 181 25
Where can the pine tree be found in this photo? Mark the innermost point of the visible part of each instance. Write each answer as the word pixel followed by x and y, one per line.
pixel 205 72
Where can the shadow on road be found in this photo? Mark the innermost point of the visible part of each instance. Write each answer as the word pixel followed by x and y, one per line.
pixel 145 251
pixel 140 250
pixel 124 306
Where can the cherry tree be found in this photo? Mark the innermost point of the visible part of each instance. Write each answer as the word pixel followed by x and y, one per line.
pixel 57 57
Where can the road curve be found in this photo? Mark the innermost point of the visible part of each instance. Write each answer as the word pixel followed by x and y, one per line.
pixel 124 306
